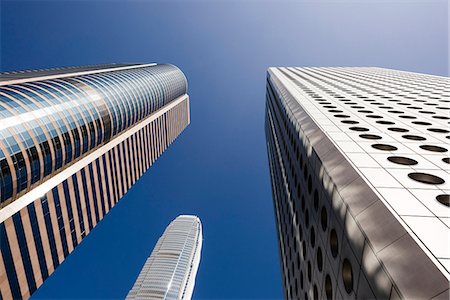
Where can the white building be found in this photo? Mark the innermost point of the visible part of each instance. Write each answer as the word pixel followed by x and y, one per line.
pixel 169 272
pixel 359 160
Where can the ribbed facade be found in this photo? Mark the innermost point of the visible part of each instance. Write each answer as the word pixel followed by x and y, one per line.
pixel 72 144
pixel 170 271
pixel 360 178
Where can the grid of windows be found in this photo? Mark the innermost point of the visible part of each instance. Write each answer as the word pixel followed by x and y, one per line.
pixel 34 241
pixel 47 125
pixel 339 229
pixel 104 129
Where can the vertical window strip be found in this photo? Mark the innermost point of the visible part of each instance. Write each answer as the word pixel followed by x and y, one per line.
pixel 108 181
pixel 66 200
pixel 30 243
pixel 24 253
pixel 126 163
pixel 5 289
pixel 145 145
pixel 49 230
pixel 139 166
pixel 112 167
pixel 59 215
pixel 17 257
pixel 37 240
pixel 119 176
pixel 100 175
pixel 77 198
pixel 132 157
pixel 87 199
pixel 95 183
pixel 92 187
pixel 9 263
pixel 105 182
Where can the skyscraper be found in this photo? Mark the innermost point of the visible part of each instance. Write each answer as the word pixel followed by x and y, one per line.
pixel 169 272
pixel 72 142
pixel 360 178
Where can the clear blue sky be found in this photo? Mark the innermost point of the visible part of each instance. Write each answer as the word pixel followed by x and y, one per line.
pixel 217 169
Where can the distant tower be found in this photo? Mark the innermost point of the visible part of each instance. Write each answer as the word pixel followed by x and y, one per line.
pixel 359 162
pixel 72 142
pixel 169 272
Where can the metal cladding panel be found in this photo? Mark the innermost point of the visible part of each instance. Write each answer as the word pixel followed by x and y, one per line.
pixel 360 178
pixel 169 272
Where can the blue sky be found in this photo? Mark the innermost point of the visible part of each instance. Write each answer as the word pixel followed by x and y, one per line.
pixel 217 169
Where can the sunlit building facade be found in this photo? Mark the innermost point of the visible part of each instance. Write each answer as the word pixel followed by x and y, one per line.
pixel 169 273
pixel 72 142
pixel 359 162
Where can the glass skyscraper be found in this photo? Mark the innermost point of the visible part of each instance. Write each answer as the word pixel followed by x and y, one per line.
pixel 359 162
pixel 170 271
pixel 72 142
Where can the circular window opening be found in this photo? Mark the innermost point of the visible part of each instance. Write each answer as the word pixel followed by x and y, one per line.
pixel 309 184
pixel 301 279
pixel 319 259
pixel 433 148
pixel 370 136
pixel 335 110
pixel 427 112
pixel 396 111
pixel 413 137
pixel 402 160
pixel 385 122
pixel 349 122
pixel 315 293
pixel 316 200
pixel 304 250
pixel 309 271
pixel 342 116
pixel 384 147
pixel 438 130
pixel 426 178
pixel 407 117
pixel 396 129
pixel 359 129
pixel 441 118
pixel 421 123
pixel 334 243
pixel 307 218
pixel 446 160
pixel 365 111
pixel 324 218
pixel 312 237
pixel 444 199
pixel 374 116
pixel 347 275
pixel 328 287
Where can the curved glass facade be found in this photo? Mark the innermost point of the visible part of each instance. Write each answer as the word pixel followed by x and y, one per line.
pixel 47 125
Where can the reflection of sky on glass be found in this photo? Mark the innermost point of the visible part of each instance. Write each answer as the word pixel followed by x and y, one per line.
pixel 218 167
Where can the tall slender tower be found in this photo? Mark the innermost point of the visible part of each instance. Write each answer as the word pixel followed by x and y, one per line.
pixel 72 142
pixel 169 272
pixel 360 178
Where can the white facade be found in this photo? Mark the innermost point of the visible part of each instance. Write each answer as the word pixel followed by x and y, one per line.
pixel 170 271
pixel 359 160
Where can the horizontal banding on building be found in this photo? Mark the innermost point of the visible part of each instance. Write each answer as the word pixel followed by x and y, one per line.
pixel 73 142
